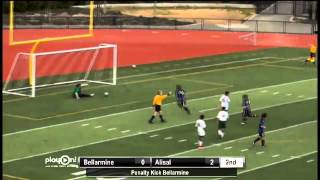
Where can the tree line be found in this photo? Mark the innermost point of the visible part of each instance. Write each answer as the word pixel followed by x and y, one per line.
pixel 27 6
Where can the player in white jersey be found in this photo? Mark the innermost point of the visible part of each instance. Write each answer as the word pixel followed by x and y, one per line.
pixel 223 116
pixel 225 100
pixel 201 126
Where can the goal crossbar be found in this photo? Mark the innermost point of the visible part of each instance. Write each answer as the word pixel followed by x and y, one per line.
pixel 32 87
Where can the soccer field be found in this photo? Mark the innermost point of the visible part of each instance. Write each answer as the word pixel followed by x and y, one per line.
pixel 276 80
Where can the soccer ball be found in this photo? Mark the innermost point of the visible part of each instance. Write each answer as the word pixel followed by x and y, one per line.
pixel 133 65
pixel 106 93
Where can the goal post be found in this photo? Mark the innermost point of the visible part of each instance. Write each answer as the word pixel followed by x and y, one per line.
pixel 250 37
pixel 30 72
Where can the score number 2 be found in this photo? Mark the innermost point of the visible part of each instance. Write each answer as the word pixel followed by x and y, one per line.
pixel 211 162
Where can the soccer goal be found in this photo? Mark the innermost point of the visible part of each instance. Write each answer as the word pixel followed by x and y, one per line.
pixel 251 38
pixel 31 72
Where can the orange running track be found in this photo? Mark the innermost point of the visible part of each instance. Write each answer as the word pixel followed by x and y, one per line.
pixel 152 46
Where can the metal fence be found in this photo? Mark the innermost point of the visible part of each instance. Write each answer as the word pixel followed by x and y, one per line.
pixel 129 22
pixel 297 8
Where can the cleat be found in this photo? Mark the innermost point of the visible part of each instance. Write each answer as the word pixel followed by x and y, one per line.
pixel 243 123
pixel 91 95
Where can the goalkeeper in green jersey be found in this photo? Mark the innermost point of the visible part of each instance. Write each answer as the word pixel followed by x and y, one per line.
pixel 77 94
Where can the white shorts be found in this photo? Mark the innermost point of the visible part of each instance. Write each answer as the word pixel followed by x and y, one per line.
pixel 201 133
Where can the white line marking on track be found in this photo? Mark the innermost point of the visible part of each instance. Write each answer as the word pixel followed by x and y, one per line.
pixel 125 131
pixel 310 160
pixel 289 94
pixel 111 129
pixel 301 96
pixel 275 93
pixel 264 91
pixel 182 140
pixel 155 135
pixel 276 155
pixel 243 150
pixel 230 147
pixel 84 124
pixel 261 152
pixel 96 127
pixel 168 138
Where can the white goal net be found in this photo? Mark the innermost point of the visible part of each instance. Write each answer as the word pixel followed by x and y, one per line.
pixel 250 38
pixel 31 72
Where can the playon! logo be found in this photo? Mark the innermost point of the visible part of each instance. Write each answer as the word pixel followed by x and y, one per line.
pixel 63 161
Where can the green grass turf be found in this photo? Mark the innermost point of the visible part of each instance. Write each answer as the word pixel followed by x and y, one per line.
pixel 144 145
pixel 201 77
pixel 294 169
pixel 55 105
pixel 49 140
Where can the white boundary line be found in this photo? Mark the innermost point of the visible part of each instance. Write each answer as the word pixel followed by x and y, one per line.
pixel 125 112
pixel 135 134
pixel 188 68
pixel 246 137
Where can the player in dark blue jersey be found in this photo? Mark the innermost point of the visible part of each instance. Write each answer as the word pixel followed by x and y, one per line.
pixel 181 98
pixel 246 109
pixel 261 130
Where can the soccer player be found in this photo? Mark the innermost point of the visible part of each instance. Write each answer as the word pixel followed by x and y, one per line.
pixel 246 110
pixel 225 100
pixel 181 98
pixel 201 126
pixel 77 94
pixel 222 116
pixel 312 56
pixel 261 130
pixel 157 102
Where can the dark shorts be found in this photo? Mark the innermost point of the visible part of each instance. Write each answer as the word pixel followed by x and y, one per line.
pixel 157 108
pixel 181 103
pixel 261 134
pixel 201 138
pixel 312 55
pixel 246 112
pixel 222 125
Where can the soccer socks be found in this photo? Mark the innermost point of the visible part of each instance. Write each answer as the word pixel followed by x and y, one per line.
pixel 262 142
pixel 200 143
pixel 187 110
pixel 151 119
pixel 220 133
pixel 161 118
pixel 256 140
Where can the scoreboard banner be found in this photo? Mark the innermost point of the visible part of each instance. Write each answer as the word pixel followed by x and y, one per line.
pixel 161 166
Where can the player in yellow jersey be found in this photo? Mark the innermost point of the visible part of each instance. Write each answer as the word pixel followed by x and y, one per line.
pixel 312 56
pixel 157 102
